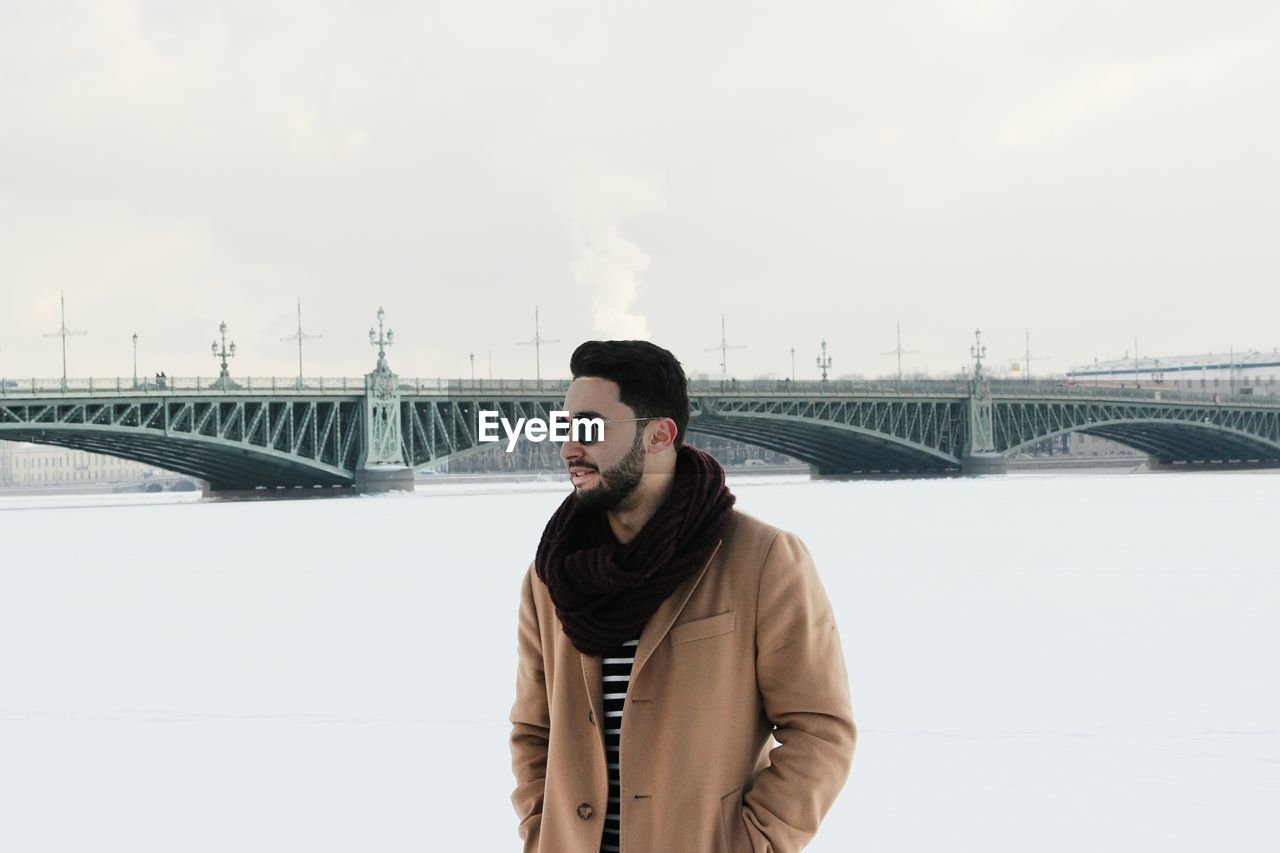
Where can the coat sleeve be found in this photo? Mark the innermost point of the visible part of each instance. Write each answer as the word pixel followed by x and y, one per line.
pixel 801 673
pixel 530 722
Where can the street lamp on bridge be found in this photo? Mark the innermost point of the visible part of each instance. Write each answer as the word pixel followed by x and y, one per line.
pixel 135 361
pixel 224 376
pixel 382 340
pixel 824 361
pixel 978 351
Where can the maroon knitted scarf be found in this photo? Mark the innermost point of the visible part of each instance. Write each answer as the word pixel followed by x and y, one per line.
pixel 605 591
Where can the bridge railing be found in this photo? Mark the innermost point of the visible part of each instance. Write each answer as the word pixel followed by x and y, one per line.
pixel 485 386
pixel 152 386
pixel 258 385
pixel 840 387
pixel 696 386
pixel 961 388
pixel 1145 392
pixel 329 386
pixel 811 387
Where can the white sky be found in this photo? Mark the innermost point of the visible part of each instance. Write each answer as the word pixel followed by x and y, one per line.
pixel 1093 172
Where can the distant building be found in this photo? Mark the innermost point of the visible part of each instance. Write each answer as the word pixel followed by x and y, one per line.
pixel 1249 372
pixel 23 465
pixel 1077 445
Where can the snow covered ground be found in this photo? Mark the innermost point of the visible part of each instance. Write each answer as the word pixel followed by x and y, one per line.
pixel 1038 663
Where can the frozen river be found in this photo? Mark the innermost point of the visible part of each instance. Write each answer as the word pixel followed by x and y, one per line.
pixel 1038 663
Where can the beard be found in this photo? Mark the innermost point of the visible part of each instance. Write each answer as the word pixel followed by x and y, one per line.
pixel 618 482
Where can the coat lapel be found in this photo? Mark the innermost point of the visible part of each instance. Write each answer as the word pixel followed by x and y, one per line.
pixel 592 670
pixel 654 630
pixel 667 613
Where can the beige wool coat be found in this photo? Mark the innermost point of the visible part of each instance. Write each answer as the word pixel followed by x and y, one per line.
pixel 743 653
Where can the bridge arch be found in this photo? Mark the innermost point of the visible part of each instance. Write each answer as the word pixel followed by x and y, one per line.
pixel 1174 440
pixel 234 442
pixel 830 446
pixel 224 464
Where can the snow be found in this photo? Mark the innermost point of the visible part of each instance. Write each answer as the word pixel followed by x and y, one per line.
pixel 1038 662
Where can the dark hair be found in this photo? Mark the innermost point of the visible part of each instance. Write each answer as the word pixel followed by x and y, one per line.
pixel 650 379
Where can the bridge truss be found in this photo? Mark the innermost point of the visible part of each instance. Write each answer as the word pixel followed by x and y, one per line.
pixel 1172 432
pixel 853 435
pixel 233 443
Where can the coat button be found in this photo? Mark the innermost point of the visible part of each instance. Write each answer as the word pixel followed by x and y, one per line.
pixel 584 811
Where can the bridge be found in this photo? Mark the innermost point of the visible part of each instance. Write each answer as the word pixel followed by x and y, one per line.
pixel 371 433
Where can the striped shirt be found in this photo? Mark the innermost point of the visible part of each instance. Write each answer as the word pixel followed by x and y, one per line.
pixel 616 671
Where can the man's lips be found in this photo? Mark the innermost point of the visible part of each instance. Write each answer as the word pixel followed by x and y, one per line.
pixel 579 475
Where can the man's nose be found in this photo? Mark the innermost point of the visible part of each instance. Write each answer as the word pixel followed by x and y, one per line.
pixel 570 450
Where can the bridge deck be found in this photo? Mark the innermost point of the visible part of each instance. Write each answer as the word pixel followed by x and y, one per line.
pixel 285 431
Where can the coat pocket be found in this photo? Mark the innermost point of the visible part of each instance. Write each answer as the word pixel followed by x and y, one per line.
pixel 731 829
pixel 700 629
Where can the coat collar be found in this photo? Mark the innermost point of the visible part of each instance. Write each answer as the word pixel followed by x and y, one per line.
pixel 654 631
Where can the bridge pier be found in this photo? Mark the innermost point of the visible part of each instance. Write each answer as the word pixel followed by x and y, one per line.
pixel 382 466
pixel 981 459
pixel 377 479
pixel 983 464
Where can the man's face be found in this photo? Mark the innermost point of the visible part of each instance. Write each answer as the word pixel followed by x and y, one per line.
pixel 604 474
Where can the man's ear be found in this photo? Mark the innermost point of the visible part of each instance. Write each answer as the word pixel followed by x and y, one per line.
pixel 663 436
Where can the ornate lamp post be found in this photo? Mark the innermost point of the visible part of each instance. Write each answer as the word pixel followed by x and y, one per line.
pixel 224 376
pixel 978 351
pixel 382 340
pixel 824 361
pixel 135 361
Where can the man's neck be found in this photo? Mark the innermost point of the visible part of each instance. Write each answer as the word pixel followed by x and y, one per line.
pixel 626 521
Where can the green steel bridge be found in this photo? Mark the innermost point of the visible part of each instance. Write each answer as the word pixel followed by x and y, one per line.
pixel 371 433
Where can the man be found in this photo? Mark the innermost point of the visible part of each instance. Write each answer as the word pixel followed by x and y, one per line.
pixel 664 637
